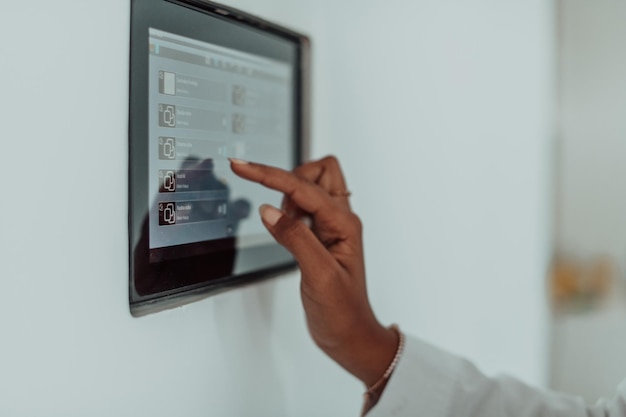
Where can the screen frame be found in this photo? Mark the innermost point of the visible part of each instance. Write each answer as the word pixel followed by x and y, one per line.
pixel 143 13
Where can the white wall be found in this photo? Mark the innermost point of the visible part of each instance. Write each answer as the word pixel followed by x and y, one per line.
pixel 445 140
pixel 442 112
pixel 69 345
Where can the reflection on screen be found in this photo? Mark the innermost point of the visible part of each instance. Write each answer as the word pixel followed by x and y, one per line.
pixel 209 103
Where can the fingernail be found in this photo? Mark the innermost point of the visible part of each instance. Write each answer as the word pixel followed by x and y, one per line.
pixel 238 161
pixel 270 214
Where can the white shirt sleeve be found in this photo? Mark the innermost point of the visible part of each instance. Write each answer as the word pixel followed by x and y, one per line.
pixel 430 382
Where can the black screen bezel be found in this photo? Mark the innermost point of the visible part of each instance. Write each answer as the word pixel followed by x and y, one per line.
pixel 188 279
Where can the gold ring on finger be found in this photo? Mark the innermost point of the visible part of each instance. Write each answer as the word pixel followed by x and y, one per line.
pixel 345 193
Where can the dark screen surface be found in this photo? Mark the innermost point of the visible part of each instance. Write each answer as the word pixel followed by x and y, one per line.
pixel 206 83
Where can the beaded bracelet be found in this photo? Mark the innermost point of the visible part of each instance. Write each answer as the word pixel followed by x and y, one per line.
pixel 372 393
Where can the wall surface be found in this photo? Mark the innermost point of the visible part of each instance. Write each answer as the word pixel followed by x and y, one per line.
pixel 441 114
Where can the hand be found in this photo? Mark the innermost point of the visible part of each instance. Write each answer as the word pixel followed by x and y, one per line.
pixel 330 256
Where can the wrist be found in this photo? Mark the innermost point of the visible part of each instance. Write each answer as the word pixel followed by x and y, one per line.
pixel 368 353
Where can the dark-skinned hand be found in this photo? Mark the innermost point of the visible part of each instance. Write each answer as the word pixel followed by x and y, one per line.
pixel 318 227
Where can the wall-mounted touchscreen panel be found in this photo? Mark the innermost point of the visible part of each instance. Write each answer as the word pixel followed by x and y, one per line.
pixel 206 84
pixel 210 103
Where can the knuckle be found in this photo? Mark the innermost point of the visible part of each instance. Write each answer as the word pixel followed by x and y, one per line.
pixel 330 160
pixel 346 223
pixel 354 221
pixel 358 223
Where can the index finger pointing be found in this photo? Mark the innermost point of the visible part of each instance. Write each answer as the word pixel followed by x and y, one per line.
pixel 308 196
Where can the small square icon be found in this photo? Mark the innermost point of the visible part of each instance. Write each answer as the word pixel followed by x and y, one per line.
pixel 167 213
pixel 239 123
pixel 167 148
pixel 239 95
pixel 167 179
pixel 167 83
pixel 167 115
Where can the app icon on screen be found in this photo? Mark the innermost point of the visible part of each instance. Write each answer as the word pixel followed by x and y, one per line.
pixel 167 115
pixel 168 181
pixel 167 148
pixel 167 83
pixel 167 214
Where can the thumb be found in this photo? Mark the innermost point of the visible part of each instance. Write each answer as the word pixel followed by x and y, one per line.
pixel 298 239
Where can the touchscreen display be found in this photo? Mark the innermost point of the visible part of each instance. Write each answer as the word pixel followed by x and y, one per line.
pixel 209 103
pixel 206 84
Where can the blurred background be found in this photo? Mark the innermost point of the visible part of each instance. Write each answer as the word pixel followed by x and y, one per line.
pixel 484 145
pixel 588 334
